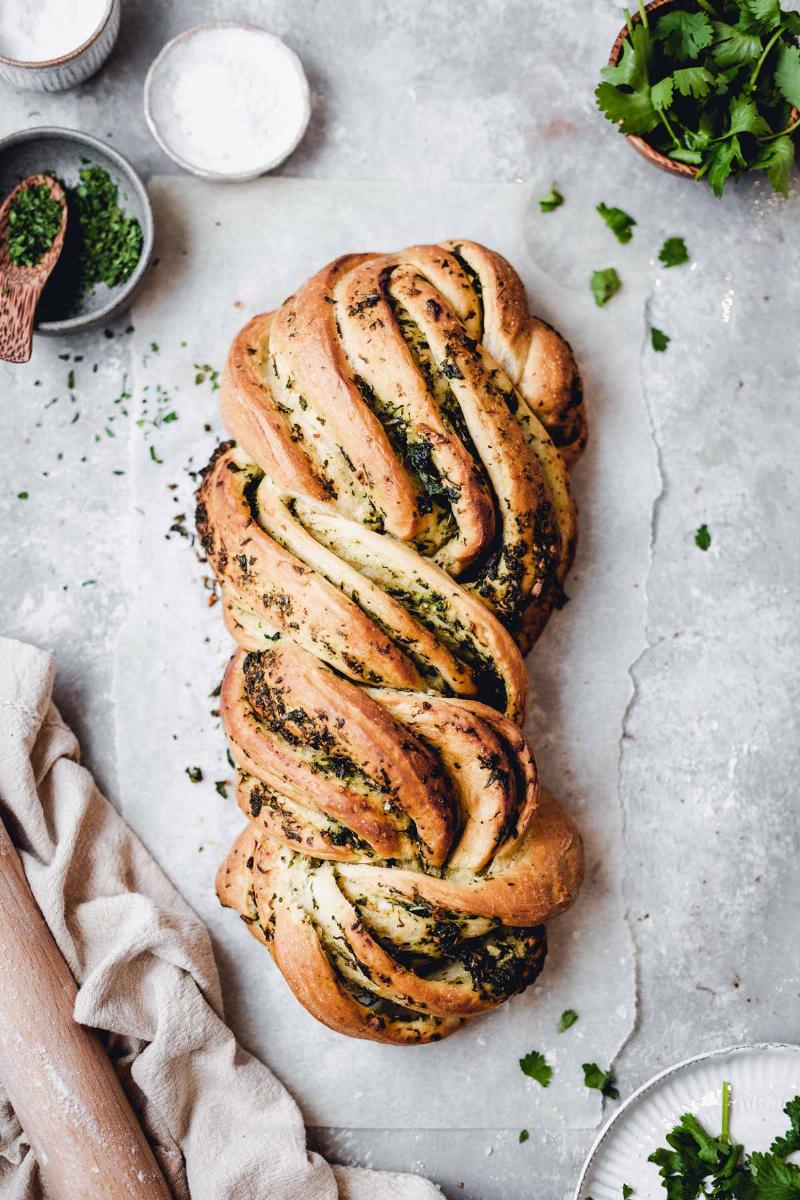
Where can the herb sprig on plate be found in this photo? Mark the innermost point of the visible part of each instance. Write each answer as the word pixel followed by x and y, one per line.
pixel 694 1163
pixel 711 83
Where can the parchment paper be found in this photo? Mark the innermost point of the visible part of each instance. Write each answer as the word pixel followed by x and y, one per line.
pixel 223 254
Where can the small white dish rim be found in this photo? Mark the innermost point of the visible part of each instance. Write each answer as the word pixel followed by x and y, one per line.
pixel 251 172
pixel 657 1082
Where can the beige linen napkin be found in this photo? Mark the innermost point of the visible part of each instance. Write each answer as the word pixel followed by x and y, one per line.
pixel 222 1126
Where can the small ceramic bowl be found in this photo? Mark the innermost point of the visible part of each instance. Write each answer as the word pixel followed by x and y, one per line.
pixel 58 74
pixel 63 152
pixel 156 96
pixel 639 144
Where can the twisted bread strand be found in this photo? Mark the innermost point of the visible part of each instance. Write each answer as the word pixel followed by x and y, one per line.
pixel 391 527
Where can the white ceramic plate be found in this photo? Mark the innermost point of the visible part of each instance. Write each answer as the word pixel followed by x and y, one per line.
pixel 762 1078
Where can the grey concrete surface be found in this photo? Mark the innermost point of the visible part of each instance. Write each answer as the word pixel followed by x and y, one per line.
pixel 709 752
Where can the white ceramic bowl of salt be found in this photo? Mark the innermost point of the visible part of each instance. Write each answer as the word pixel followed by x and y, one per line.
pixel 227 101
pixel 51 45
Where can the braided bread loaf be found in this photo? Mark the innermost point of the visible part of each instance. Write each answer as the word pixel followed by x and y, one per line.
pixel 391 529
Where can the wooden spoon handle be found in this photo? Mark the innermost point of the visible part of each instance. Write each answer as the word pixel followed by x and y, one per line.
pixel 58 1077
pixel 18 300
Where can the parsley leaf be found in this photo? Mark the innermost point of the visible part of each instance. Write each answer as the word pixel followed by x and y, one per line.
pixel 602 1081
pixel 523 1135
pixel 627 1191
pixel 551 201
pixel 535 1066
pixel 702 538
pixel 605 284
pixel 787 73
pixel 659 339
pixel 567 1019
pixel 673 252
pixel 195 774
pixel 619 222
pixel 684 34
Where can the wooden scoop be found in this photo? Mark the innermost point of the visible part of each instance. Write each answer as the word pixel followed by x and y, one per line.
pixel 21 287
pixel 60 1081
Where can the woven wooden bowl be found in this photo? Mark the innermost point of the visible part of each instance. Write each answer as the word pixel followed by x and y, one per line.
pixel 639 144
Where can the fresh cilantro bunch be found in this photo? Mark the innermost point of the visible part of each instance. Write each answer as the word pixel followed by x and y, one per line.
pixel 712 83
pixel 695 1164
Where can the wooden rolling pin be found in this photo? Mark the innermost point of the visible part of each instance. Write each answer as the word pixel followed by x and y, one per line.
pixel 58 1077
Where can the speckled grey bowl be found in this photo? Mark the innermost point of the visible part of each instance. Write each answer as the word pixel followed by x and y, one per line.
pixel 63 152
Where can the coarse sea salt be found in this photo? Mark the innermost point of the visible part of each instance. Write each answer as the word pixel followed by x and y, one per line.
pixel 228 100
pixel 38 30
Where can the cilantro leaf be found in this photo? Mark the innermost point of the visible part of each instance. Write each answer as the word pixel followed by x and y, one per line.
pixel 702 538
pixel 605 284
pixel 673 253
pixel 763 16
pixel 632 70
pixel 692 1155
pixel 776 158
pixel 523 1135
pixel 687 156
pixel 684 34
pixel 789 1142
pixel 535 1066
pixel 693 81
pixel 551 200
pixel 745 117
pixel 619 222
pixel 661 93
pixel 632 111
pixel 567 1019
pixel 602 1081
pixel 773 1178
pixel 627 1191
pixel 722 160
pixel 787 73
pixel 659 339
pixel 732 47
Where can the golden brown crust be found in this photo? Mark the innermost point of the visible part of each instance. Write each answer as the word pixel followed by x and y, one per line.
pixel 392 527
